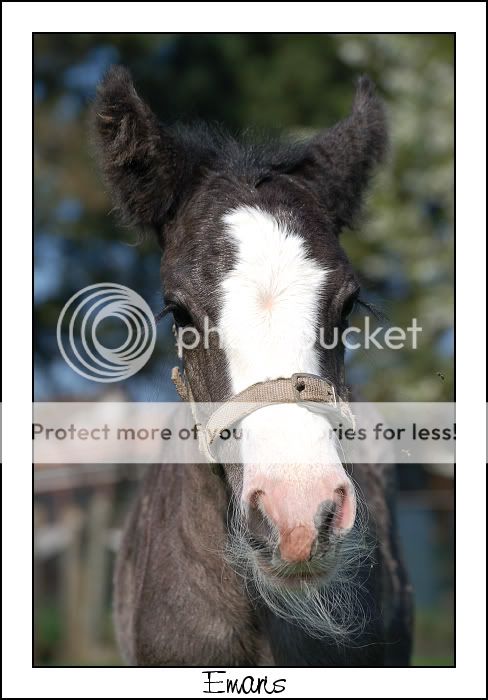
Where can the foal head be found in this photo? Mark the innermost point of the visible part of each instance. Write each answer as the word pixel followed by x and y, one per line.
pixel 250 241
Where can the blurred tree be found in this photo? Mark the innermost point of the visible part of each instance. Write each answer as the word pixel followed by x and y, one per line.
pixel 403 250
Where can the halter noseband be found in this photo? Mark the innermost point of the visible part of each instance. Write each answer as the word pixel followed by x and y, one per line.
pixel 301 388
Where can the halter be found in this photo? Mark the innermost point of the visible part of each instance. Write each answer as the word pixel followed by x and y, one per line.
pixel 301 388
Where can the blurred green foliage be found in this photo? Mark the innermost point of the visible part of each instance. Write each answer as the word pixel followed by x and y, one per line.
pixel 403 249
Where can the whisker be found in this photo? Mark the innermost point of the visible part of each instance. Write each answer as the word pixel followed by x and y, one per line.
pixel 334 608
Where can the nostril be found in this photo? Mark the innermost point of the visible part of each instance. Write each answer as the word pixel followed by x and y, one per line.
pixel 346 507
pixel 340 498
pixel 324 521
pixel 329 512
pixel 255 498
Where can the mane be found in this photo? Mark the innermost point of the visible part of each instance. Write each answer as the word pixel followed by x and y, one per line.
pixel 249 152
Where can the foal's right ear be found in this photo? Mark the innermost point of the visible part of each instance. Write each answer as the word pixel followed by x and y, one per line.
pixel 144 165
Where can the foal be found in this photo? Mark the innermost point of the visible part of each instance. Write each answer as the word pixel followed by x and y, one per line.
pixel 273 560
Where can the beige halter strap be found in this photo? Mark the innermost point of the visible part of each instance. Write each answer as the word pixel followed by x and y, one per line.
pixel 300 388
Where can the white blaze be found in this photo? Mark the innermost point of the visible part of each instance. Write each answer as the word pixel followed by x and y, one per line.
pixel 269 319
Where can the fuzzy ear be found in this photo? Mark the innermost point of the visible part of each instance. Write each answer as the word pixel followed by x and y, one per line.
pixel 341 160
pixel 144 164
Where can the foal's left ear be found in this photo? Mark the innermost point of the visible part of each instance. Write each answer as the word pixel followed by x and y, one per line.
pixel 147 167
pixel 339 162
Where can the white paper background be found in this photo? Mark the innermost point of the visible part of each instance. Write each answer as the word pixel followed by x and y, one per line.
pixel 469 21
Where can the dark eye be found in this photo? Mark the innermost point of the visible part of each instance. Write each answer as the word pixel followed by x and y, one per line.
pixel 349 305
pixel 181 316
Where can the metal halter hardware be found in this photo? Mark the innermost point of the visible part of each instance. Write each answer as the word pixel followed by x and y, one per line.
pixel 301 388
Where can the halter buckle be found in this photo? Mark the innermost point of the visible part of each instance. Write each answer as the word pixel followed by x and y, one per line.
pixel 299 380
